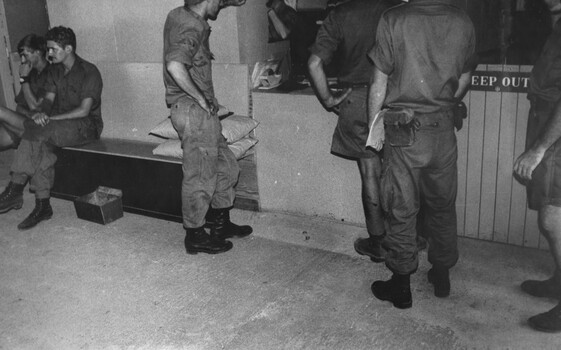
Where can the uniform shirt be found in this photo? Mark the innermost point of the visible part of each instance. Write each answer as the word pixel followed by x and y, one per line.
pixel 545 80
pixel 37 82
pixel 350 31
pixel 82 81
pixel 186 41
pixel 424 46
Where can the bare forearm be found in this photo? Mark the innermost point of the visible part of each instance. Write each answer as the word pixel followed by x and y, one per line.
pixel 33 102
pixel 527 162
pixel 463 85
pixel 82 111
pixel 319 79
pixel 551 132
pixel 74 114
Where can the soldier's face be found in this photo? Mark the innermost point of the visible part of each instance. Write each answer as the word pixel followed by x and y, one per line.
pixel 56 53
pixel 29 56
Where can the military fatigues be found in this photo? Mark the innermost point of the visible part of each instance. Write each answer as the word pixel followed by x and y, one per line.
pixel 423 72
pixel 210 169
pixel 544 94
pixel 35 158
pixel 36 83
pixel 347 34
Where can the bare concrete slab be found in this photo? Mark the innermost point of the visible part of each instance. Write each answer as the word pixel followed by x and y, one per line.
pixel 295 284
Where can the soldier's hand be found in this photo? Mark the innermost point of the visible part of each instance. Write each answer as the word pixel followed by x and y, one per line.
pixel 527 162
pixel 213 107
pixel 206 105
pixel 41 119
pixel 24 69
pixel 336 98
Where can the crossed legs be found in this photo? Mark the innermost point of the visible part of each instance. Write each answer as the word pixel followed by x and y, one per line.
pixel 11 128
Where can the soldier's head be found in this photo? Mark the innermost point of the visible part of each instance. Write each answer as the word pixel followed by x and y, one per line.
pixel 32 50
pixel 61 43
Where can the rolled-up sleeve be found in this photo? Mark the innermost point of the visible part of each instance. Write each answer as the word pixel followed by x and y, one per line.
pixel 327 39
pixel 184 43
pixel 382 54
pixel 92 85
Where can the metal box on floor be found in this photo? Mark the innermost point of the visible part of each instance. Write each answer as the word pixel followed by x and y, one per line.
pixel 102 206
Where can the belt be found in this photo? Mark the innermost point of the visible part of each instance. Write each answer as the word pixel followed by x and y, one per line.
pixel 345 85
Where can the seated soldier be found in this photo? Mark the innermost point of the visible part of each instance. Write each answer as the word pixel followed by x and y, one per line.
pixel 73 89
pixel 33 75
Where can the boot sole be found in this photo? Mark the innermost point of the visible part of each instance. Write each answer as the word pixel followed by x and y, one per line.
pixel 16 206
pixel 197 251
pixel 233 236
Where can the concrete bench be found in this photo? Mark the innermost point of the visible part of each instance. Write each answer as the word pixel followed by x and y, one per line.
pixel 133 103
pixel 151 184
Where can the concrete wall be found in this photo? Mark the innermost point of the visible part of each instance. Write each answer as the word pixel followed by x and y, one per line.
pixel 124 39
pixel 131 30
pixel 296 171
pixel 253 34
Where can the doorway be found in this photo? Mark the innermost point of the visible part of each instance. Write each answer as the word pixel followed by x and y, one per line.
pixel 17 19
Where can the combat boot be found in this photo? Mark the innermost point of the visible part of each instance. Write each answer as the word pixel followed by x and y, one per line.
pixel 397 290
pixel 548 321
pixel 12 197
pixel 218 221
pixel 198 241
pixel 42 211
pixel 371 247
pixel 550 288
pixel 439 277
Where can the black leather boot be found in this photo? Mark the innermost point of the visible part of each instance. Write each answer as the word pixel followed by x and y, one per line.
pixel 397 290
pixel 218 221
pixel 550 288
pixel 372 247
pixel 439 277
pixel 12 197
pixel 42 211
pixel 198 241
pixel 548 321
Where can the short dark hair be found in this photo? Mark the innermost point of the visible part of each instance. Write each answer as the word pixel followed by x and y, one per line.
pixel 33 42
pixel 63 36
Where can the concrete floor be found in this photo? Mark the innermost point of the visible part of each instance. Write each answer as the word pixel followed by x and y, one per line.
pixel 294 284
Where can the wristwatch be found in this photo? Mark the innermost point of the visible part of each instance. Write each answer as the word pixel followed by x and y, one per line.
pixel 24 80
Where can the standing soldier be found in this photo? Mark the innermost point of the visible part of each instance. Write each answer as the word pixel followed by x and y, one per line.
pixel 348 33
pixel 423 56
pixel 210 169
pixel 540 165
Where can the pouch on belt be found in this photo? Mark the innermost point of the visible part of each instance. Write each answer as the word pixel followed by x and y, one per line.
pixel 400 125
pixel 460 113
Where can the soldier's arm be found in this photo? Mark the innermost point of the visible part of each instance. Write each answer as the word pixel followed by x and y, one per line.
pixel 529 160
